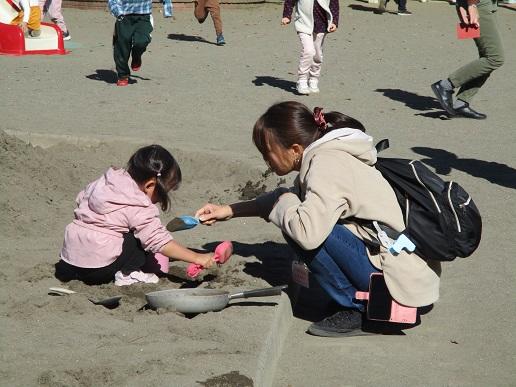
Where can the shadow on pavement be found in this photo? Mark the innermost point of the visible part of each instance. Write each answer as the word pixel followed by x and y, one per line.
pixel 411 100
pixel 444 161
pixel 442 115
pixel 360 7
pixel 275 82
pixel 108 76
pixel 189 38
pixel 417 102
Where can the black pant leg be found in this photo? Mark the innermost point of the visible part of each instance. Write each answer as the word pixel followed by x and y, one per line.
pixel 132 258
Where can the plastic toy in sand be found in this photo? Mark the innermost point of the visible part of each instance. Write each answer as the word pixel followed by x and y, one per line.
pixel 13 41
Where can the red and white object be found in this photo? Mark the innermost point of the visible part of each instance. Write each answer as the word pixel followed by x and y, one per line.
pixel 384 307
pixel 222 253
pixel 13 42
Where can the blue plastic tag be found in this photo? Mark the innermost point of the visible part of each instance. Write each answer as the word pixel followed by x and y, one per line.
pixel 402 243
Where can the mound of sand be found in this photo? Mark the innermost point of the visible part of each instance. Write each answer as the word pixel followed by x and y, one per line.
pixel 92 345
pixel 39 185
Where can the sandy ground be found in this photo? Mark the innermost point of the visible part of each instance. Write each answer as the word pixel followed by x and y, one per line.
pixel 201 101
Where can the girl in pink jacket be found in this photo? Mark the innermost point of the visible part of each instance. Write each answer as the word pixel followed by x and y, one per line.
pixel 116 230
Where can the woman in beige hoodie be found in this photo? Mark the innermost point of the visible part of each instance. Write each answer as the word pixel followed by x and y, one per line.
pixel 336 185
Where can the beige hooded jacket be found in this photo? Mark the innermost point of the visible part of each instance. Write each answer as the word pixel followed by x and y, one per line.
pixel 337 181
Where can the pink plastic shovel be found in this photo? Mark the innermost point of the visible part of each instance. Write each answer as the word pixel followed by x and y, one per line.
pixel 222 253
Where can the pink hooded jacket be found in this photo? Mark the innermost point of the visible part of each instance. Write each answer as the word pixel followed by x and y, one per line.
pixel 107 208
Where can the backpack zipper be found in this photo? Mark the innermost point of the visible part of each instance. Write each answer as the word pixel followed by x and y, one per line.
pixel 407 206
pixel 424 186
pixel 451 206
pixel 466 203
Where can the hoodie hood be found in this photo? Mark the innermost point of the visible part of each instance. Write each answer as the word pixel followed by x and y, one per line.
pixel 115 189
pixel 353 141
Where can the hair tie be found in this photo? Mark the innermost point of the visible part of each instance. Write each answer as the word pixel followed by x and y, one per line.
pixel 158 174
pixel 319 119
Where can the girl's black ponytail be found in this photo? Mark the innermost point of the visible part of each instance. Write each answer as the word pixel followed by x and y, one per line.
pixel 154 161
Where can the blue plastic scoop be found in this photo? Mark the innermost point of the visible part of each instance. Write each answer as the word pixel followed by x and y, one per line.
pixel 184 222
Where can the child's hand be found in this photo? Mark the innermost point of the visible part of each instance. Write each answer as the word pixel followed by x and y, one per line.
pixel 24 28
pixel 210 213
pixel 285 21
pixel 205 260
pixel 332 28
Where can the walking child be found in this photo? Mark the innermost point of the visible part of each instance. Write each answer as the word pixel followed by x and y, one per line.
pixel 117 232
pixel 201 10
pixel 132 33
pixel 52 8
pixel 313 19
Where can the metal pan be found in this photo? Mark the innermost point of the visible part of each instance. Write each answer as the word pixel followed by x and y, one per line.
pixel 203 300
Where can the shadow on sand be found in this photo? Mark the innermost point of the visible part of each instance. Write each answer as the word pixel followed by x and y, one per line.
pixel 444 161
pixel 429 106
pixel 189 38
pixel 275 82
pixel 110 76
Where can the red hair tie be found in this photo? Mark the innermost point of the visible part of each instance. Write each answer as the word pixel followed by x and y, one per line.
pixel 319 118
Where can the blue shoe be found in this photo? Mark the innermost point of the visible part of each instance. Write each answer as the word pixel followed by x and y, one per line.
pixel 220 40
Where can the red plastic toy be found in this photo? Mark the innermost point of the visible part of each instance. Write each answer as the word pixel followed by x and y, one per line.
pixel 50 42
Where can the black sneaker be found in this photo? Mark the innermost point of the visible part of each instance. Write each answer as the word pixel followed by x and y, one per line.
pixel 404 13
pixel 344 323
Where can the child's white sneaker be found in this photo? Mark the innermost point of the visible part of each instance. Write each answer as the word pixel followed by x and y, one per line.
pixel 302 87
pixel 313 85
pixel 135 277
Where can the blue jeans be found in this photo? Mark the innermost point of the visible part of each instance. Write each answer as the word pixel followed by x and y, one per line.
pixel 340 265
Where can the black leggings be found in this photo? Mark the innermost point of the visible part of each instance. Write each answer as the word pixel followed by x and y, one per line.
pixel 132 258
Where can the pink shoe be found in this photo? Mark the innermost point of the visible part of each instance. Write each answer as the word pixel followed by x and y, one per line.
pixel 135 277
pixel 163 262
pixel 222 253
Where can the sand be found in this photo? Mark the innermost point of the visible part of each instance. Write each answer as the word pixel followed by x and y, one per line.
pixel 200 101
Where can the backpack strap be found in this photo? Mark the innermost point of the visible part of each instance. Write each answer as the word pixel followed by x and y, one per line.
pixel 382 145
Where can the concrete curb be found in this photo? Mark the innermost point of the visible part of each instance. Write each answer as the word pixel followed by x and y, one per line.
pixel 273 345
pixel 45 140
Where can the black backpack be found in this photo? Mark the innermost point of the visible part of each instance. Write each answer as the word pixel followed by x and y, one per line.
pixel 440 217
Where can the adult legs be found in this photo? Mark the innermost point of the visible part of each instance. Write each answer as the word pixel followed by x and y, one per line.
pixel 491 56
pixel 340 265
